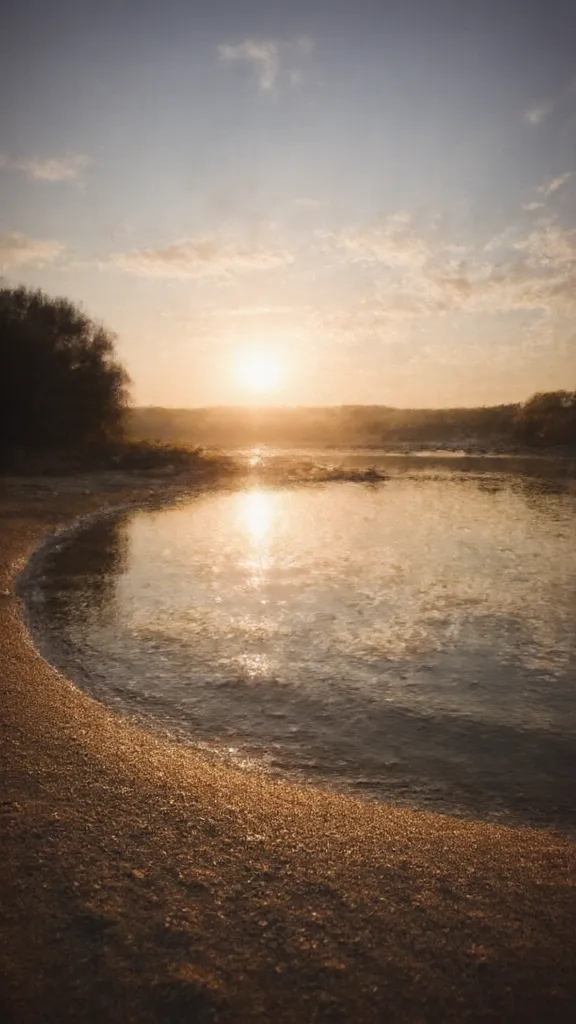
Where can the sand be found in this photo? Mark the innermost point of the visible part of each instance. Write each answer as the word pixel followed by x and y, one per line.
pixel 140 881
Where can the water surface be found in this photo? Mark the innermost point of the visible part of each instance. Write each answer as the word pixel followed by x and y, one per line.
pixel 412 639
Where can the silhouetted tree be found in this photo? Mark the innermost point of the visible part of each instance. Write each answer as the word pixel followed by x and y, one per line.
pixel 61 385
pixel 548 417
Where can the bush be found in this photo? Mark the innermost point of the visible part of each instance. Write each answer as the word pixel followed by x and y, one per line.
pixel 150 455
pixel 61 386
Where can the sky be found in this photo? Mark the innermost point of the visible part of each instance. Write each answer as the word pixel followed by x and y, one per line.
pixel 368 202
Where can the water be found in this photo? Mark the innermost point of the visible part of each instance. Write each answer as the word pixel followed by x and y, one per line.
pixel 411 639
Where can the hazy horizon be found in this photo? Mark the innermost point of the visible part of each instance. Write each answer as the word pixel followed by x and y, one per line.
pixel 252 407
pixel 303 206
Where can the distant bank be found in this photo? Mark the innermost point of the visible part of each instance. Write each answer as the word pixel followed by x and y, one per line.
pixel 546 420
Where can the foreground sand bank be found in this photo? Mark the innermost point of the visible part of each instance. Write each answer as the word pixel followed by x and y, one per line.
pixel 140 882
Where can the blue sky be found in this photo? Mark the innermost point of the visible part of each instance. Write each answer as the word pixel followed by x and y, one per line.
pixel 382 195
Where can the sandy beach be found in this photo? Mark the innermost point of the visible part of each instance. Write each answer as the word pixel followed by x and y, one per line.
pixel 143 882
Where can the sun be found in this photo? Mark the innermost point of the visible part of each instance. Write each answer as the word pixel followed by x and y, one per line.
pixel 259 370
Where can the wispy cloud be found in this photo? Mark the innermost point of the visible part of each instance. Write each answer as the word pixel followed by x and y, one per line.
pixel 416 276
pixel 532 206
pixel 204 257
pixel 406 273
pixel 539 111
pixel 268 59
pixel 392 241
pixel 549 246
pixel 19 250
pixel 555 184
pixel 263 56
pixel 536 273
pixel 65 168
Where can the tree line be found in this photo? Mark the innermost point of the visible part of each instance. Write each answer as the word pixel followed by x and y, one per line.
pixel 545 420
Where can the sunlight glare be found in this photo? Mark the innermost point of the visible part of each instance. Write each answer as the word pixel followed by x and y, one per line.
pixel 259 370
pixel 257 513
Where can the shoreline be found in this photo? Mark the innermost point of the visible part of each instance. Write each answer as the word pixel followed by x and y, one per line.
pixel 144 882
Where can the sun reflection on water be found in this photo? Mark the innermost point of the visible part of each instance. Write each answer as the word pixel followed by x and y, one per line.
pixel 257 515
pixel 255 457
pixel 257 512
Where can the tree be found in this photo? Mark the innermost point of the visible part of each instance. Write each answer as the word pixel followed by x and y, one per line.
pixel 548 417
pixel 61 385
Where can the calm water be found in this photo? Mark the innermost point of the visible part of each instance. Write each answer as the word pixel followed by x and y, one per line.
pixel 412 639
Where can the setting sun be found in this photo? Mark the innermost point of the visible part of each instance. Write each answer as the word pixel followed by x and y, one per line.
pixel 259 370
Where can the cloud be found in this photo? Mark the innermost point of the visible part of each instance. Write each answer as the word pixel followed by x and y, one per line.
pixel 555 184
pixel 263 56
pixel 18 251
pixel 392 241
pixel 412 278
pixel 546 190
pixel 540 111
pixel 197 258
pixel 66 168
pixel 403 275
pixel 549 246
pixel 499 290
pixel 421 273
pixel 537 113
pixel 267 58
pixel 539 274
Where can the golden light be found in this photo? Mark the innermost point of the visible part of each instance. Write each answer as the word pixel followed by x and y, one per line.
pixel 259 370
pixel 256 516
pixel 257 513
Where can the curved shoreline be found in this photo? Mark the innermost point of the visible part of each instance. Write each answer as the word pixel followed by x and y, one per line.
pixel 142 882
pixel 24 580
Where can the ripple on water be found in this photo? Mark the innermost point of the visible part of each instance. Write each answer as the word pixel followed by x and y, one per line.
pixel 410 639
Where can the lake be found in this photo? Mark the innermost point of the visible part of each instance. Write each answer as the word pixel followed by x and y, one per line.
pixel 410 638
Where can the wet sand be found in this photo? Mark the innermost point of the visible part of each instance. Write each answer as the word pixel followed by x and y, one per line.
pixel 142 882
